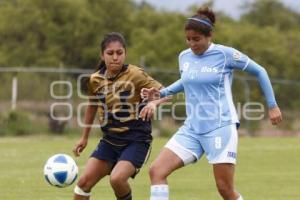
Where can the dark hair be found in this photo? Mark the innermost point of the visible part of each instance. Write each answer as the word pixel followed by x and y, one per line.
pixel 108 38
pixel 202 22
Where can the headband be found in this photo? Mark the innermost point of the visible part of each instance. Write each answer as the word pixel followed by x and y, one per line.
pixel 201 20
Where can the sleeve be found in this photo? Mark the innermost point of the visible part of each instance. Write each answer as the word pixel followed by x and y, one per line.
pixel 92 83
pixel 182 66
pixel 236 59
pixel 174 88
pixel 90 87
pixel 143 80
pixel 264 81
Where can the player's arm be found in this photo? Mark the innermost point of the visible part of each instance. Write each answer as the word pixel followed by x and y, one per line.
pixel 158 97
pixel 89 117
pixel 148 111
pixel 174 88
pixel 154 93
pixel 265 83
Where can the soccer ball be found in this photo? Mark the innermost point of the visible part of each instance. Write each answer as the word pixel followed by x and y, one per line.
pixel 60 170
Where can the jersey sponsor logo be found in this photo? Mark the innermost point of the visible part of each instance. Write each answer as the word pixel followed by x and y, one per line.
pixel 236 55
pixel 185 67
pixel 231 154
pixel 207 69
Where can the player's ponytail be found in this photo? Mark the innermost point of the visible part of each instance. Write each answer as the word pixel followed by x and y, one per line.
pixel 108 38
pixel 203 21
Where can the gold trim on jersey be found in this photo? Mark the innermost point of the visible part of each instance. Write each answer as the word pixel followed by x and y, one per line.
pixel 120 97
pixel 119 145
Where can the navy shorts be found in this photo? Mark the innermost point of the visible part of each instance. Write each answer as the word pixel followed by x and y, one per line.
pixel 135 152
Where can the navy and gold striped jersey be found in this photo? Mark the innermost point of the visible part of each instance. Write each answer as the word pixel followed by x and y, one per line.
pixel 119 103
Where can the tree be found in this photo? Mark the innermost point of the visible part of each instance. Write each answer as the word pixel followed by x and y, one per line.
pixel 271 13
pixel 51 32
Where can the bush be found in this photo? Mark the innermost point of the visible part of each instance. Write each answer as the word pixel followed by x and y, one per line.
pixel 15 123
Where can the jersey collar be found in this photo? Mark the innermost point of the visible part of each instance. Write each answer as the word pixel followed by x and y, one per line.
pixel 102 72
pixel 211 46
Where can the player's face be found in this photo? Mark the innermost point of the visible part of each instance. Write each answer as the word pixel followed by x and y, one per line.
pixel 114 56
pixel 197 41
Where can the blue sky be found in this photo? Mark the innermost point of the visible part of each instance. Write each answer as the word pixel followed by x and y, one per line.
pixel 230 7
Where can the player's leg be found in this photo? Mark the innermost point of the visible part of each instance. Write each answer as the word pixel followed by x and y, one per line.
pixel 220 147
pixel 181 150
pixel 224 177
pixel 166 162
pixel 94 170
pixel 99 165
pixel 130 161
pixel 119 179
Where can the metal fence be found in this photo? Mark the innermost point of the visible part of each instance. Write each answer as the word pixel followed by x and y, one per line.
pixel 54 98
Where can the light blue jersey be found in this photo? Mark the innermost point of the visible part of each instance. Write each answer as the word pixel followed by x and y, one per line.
pixel 206 80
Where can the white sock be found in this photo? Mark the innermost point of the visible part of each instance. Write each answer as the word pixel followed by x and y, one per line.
pixel 159 192
pixel 240 198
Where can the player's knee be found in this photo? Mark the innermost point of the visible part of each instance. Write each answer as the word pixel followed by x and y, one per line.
pixel 224 188
pixel 116 179
pixel 156 172
pixel 83 184
pixel 152 171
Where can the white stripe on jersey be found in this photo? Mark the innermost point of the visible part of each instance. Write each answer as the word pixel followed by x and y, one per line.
pixel 246 65
pixel 228 94
pixel 219 91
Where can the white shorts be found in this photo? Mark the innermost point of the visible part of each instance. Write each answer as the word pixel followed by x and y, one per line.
pixel 219 146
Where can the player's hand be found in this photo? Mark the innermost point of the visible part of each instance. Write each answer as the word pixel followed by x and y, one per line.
pixel 79 146
pixel 275 115
pixel 148 111
pixel 150 94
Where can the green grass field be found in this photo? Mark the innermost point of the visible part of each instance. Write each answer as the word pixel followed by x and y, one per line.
pixel 267 169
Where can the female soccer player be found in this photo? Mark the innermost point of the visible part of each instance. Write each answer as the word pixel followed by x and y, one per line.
pixel 115 93
pixel 211 125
